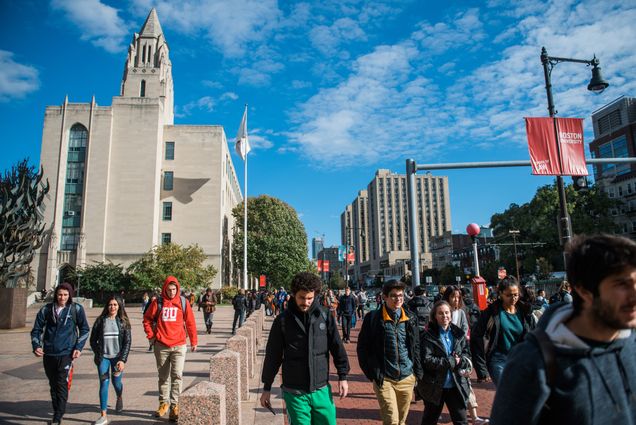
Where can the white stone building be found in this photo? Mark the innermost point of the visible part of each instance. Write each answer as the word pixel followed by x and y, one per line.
pixel 125 178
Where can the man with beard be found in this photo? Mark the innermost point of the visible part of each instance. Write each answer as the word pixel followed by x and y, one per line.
pixel 301 339
pixel 579 366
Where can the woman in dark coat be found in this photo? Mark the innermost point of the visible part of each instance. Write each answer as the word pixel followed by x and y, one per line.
pixel 503 325
pixel 445 356
pixel 110 341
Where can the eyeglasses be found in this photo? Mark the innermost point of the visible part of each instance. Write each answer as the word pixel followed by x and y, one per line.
pixel 397 297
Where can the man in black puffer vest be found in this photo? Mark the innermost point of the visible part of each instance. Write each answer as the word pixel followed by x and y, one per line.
pixel 421 306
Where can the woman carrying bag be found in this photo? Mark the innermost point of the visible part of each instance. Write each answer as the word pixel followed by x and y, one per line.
pixel 110 341
pixel 445 357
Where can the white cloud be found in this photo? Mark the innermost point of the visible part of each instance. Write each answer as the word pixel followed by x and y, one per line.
pixel 229 95
pixel 98 23
pixel 16 80
pixel 230 26
pixel 397 101
pixel 205 103
pixel 328 38
pixel 259 139
pixel 298 84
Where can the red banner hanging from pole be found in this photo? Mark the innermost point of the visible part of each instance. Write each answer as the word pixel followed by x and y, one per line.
pixel 542 145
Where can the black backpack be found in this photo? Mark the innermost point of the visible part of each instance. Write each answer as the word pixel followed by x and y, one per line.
pixel 556 297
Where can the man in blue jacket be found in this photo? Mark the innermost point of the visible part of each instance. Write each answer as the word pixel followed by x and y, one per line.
pixel 579 365
pixel 65 328
pixel 347 309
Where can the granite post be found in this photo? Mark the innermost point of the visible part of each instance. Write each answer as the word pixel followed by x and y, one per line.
pixel 248 332
pixel 225 369
pixel 238 343
pixel 203 404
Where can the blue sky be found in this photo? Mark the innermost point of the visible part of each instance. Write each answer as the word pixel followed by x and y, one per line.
pixel 336 89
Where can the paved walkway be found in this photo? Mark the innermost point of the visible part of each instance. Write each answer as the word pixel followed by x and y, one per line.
pixel 24 391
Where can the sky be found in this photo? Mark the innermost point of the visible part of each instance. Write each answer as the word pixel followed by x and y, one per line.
pixel 335 89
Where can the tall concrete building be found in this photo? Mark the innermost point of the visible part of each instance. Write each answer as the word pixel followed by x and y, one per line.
pixel 377 222
pixel 615 137
pixel 125 178
pixel 317 244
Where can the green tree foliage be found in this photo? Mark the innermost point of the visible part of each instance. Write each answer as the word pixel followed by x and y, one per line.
pixel 99 280
pixel 21 221
pixel 276 240
pixel 185 263
pixel 537 222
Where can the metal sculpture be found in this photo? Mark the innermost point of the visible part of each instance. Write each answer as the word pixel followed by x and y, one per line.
pixel 22 195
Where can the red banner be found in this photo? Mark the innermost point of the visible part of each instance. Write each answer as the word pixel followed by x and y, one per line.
pixel 542 146
pixel 572 146
pixel 323 265
pixel 262 282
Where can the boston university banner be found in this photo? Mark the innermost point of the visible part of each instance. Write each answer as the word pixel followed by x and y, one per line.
pixel 544 155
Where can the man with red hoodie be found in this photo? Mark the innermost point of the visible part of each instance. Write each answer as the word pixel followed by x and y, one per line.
pixel 166 322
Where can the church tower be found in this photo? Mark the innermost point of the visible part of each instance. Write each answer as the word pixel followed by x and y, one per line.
pixel 148 71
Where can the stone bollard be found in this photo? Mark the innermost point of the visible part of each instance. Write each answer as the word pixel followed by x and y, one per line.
pixel 239 344
pixel 203 404
pixel 248 333
pixel 225 369
pixel 254 326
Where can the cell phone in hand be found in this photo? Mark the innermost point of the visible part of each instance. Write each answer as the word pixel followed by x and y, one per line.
pixel 269 407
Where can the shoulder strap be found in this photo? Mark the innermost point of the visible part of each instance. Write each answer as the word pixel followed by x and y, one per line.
pixel 549 356
pixel 74 307
pixel 159 307
pixel 183 307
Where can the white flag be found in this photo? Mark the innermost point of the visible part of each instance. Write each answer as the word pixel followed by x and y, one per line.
pixel 242 143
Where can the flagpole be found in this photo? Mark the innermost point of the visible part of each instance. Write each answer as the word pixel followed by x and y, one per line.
pixel 245 222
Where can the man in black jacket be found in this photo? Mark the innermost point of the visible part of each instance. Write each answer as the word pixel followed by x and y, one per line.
pixel 239 302
pixel 421 306
pixel 389 353
pixel 347 309
pixel 301 339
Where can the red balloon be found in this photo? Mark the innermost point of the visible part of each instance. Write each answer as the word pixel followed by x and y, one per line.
pixel 473 229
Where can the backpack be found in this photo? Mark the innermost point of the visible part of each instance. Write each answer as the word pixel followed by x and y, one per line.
pixel 556 297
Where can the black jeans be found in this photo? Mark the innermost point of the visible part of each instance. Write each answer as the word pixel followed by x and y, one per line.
pixel 456 407
pixel 57 369
pixel 346 327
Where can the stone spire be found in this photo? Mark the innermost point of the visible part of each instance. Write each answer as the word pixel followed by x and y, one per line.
pixel 152 27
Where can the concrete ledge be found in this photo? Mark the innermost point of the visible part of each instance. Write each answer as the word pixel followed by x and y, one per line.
pixel 203 404
pixel 225 370
pixel 239 344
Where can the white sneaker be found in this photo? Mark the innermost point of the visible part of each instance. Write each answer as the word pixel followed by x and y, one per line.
pixel 103 420
pixel 480 421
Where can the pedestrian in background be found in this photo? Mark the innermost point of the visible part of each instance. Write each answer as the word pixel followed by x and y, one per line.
pixel 167 323
pixel 421 306
pixel 239 302
pixel 579 366
pixel 346 310
pixel 145 299
pixel 389 353
pixel 301 340
pixel 59 333
pixel 208 304
pixel 444 356
pixel 362 303
pixel 110 341
pixel 503 325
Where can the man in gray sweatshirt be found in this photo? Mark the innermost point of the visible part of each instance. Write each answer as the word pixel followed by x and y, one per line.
pixel 579 366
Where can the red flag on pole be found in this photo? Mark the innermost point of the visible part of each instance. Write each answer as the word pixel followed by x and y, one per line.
pixel 542 146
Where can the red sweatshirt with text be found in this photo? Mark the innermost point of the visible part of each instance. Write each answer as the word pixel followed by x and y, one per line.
pixel 170 329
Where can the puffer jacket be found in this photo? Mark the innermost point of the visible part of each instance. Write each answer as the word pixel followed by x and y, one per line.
pixel 436 364
pixel 97 340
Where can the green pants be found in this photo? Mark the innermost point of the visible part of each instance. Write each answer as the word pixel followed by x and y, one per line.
pixel 315 408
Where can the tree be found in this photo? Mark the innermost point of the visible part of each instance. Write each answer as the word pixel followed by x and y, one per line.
pixel 276 240
pixel 100 279
pixel 537 222
pixel 184 263
pixel 21 221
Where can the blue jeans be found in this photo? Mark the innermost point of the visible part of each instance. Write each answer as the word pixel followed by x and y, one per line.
pixel 105 368
pixel 496 365
pixel 239 316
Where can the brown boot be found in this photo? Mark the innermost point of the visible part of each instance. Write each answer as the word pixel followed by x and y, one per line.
pixel 162 410
pixel 174 412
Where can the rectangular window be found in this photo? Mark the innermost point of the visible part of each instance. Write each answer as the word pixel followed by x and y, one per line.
pixel 166 238
pixel 167 211
pixel 169 150
pixel 168 180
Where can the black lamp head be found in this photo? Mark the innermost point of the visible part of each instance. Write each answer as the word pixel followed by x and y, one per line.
pixel 597 83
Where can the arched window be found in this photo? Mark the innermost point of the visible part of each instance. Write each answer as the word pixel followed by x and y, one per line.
pixel 74 187
pixel 142 89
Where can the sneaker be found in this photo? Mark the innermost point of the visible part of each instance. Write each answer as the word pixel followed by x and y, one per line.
pixel 162 410
pixel 119 405
pixel 480 421
pixel 103 420
pixel 174 413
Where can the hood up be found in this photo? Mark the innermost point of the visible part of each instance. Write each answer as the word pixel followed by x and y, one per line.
pixel 164 291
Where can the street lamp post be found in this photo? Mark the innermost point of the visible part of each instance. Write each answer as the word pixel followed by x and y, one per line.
pixel 473 230
pixel 514 234
pixel 597 84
